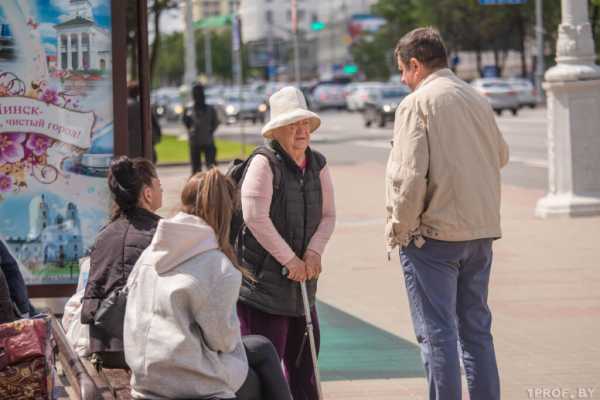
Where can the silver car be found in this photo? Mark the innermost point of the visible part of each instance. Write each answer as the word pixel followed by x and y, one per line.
pixel 525 92
pixel 499 93
pixel 329 96
pixel 358 94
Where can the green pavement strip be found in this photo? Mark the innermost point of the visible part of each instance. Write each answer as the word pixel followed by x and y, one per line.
pixel 172 150
pixel 352 349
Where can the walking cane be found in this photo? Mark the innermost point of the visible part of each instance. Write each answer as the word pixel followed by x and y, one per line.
pixel 310 332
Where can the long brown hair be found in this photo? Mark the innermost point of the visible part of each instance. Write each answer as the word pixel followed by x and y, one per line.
pixel 210 195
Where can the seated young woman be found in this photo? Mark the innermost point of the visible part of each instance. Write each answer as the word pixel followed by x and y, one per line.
pixel 182 334
pixel 137 194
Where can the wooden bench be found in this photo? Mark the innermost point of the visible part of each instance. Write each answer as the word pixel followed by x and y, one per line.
pixel 85 381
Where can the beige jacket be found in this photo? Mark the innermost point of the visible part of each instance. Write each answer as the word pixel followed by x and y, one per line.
pixel 443 172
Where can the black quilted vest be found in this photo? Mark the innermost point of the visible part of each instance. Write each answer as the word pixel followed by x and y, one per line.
pixel 296 211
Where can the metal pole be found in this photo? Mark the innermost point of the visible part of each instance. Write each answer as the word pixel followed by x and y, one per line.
pixel 190 47
pixel 208 55
pixel 296 45
pixel 311 338
pixel 539 34
pixel 236 48
pixel 271 50
pixel 144 78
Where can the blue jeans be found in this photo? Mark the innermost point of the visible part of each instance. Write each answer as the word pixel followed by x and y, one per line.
pixel 447 286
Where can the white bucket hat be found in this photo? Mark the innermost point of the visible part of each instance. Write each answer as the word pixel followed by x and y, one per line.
pixel 288 105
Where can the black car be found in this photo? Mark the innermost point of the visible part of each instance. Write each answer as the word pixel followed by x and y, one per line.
pixel 381 105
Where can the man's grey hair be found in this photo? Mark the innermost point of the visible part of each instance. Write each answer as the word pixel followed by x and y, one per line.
pixel 424 44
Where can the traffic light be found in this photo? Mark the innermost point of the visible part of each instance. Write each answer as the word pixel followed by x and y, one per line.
pixel 350 69
pixel 317 26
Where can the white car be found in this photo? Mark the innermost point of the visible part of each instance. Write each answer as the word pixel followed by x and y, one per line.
pixel 358 93
pixel 499 93
pixel 525 92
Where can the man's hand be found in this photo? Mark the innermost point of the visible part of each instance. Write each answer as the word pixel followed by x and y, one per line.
pixel 296 269
pixel 313 264
pixel 390 237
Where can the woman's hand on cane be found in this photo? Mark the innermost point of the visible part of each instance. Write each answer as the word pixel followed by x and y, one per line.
pixel 313 264
pixel 296 270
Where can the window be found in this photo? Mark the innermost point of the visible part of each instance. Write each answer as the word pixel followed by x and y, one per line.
pixel 301 15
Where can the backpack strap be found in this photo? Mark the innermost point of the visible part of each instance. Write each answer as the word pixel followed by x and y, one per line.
pixel 274 162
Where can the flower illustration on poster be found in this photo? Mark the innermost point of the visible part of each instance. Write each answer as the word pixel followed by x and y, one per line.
pixel 56 132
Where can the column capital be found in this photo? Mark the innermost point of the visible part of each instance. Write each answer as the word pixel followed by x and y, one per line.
pixel 575 51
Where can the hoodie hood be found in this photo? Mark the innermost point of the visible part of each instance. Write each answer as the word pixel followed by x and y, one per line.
pixel 178 239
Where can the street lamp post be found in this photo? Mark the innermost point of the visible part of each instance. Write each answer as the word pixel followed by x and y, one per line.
pixel 190 47
pixel 573 98
pixel 208 55
pixel 296 45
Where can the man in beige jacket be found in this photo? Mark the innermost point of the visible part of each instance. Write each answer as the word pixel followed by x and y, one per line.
pixel 443 204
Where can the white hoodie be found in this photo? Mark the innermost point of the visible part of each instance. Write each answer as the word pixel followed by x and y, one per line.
pixel 182 335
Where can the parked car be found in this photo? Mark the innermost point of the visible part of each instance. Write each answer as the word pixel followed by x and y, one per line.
pixel 329 95
pixel 246 106
pixel 381 105
pixel 167 103
pixel 499 93
pixel 358 93
pixel 525 92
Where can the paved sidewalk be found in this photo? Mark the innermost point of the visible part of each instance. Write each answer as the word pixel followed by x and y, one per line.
pixel 544 295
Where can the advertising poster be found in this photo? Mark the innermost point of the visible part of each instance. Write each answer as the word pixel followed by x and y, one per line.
pixel 56 132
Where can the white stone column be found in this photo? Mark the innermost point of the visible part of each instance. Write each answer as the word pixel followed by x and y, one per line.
pixel 573 95
pixel 79 52
pixel 58 52
pixel 69 61
pixel 93 58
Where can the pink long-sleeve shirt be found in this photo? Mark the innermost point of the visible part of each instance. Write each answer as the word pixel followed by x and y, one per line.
pixel 257 191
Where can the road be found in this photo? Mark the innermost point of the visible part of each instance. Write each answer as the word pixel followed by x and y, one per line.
pixel 344 139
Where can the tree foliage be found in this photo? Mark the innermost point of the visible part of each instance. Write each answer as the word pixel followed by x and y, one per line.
pixel 170 66
pixel 465 25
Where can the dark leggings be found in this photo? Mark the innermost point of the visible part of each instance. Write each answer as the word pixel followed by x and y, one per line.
pixel 265 379
pixel 210 156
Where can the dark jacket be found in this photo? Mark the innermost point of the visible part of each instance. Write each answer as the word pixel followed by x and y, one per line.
pixel 201 124
pixel 7 309
pixel 296 212
pixel 117 248
pixel 14 280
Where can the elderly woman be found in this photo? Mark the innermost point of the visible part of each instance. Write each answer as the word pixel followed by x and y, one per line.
pixel 289 213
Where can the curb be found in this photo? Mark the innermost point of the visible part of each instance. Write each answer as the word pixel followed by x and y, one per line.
pixel 187 164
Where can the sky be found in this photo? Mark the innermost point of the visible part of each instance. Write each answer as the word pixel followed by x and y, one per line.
pixel 171 21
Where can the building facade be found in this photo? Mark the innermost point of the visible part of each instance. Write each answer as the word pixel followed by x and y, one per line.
pixel 81 43
pixel 267 32
pixel 214 8
pixel 54 237
pixel 325 50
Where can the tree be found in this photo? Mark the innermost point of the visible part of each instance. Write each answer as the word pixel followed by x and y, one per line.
pixel 156 8
pixel 595 21
pixel 169 65
pixel 465 25
pixel 374 53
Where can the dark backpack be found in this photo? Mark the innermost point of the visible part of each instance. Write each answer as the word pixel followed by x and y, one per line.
pixel 237 172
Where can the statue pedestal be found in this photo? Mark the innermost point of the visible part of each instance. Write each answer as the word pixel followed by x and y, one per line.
pixel 573 93
pixel 573 149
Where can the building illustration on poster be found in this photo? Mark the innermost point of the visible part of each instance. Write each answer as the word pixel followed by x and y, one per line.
pixel 82 44
pixel 56 132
